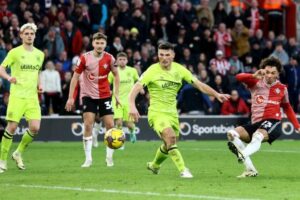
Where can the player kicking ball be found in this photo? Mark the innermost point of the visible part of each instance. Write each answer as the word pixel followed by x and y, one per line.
pixel 268 95
pixel 164 79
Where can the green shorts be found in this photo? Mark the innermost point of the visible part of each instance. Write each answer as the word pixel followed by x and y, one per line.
pixel 17 108
pixel 122 112
pixel 160 121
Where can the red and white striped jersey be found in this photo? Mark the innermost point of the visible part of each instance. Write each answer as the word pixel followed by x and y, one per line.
pixel 267 99
pixel 94 79
pixel 222 65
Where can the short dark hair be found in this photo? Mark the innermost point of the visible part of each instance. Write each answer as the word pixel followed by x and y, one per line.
pixel 98 36
pixel 273 62
pixel 122 54
pixel 166 46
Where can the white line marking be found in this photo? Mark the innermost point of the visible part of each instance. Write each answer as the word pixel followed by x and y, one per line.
pixel 268 151
pixel 190 196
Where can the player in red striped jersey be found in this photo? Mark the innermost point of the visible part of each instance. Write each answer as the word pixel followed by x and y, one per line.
pixel 268 95
pixel 93 68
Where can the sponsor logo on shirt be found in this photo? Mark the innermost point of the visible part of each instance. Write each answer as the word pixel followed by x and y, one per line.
pixel 260 99
pixel 169 85
pixel 30 67
pixel 92 77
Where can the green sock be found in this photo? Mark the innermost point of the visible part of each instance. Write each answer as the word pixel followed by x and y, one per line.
pixel 176 157
pixel 160 157
pixel 5 145
pixel 26 139
pixel 132 134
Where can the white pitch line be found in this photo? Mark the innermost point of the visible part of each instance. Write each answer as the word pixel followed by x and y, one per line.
pixel 268 151
pixel 188 196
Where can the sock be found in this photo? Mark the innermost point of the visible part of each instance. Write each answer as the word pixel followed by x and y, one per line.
pixel 87 146
pixel 175 155
pixel 26 139
pixel 254 145
pixel 160 157
pixel 132 134
pixel 5 144
pixel 109 152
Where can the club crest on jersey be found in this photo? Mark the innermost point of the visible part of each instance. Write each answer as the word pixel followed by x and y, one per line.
pixel 259 99
pixel 105 66
pixel 277 90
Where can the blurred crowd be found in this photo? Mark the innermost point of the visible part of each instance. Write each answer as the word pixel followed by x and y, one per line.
pixel 214 40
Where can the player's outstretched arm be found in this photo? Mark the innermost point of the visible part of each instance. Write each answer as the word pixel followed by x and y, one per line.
pixel 6 76
pixel 70 102
pixel 133 112
pixel 210 91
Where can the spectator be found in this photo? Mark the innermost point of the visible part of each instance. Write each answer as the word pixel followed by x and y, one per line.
pixel 280 53
pixel 4 12
pixel 292 47
pixel 205 12
pixel 51 82
pixel 53 44
pixel 292 79
pixel 234 15
pixel 98 14
pixel 81 18
pixel 240 39
pixel 222 65
pixel 220 15
pixel 253 17
pixel 235 105
pixel 199 105
pixel 72 38
pixel 223 40
pixel 235 62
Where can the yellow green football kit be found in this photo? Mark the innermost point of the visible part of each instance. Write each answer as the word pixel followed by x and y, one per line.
pixel 23 99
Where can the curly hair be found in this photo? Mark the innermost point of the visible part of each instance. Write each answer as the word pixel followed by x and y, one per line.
pixel 273 62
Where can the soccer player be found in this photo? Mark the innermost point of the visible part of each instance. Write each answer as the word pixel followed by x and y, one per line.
pixel 163 80
pixel 128 76
pixel 95 92
pixel 25 62
pixel 267 96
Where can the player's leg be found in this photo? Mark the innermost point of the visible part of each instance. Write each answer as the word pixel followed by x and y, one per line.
pixel 6 143
pixel 106 112
pixel 88 121
pixel 131 127
pixel 15 111
pixel 96 129
pixel 262 134
pixel 27 138
pixel 236 138
pixel 109 123
pixel 129 123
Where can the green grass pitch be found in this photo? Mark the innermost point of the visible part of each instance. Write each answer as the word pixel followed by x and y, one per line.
pixel 53 172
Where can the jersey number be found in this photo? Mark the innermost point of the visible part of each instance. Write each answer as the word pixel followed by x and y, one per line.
pixel 108 105
pixel 267 124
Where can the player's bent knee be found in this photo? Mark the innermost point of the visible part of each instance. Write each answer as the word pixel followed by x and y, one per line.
pixel 258 136
pixel 34 129
pixel 231 134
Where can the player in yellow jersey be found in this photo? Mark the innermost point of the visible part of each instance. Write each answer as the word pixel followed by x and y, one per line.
pixel 164 79
pixel 25 62
pixel 128 76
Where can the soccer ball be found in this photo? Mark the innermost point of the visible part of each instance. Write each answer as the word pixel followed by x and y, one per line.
pixel 114 138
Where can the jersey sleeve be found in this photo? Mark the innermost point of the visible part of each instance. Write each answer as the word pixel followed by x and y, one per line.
pixel 146 77
pixel 187 75
pixel 80 66
pixel 135 74
pixel 110 77
pixel 9 59
pixel 246 78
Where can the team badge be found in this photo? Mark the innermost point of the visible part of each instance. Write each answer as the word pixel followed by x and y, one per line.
pixel 38 58
pixel 259 99
pixel 277 90
pixel 105 66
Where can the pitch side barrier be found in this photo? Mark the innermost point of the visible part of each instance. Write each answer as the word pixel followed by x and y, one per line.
pixel 204 127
